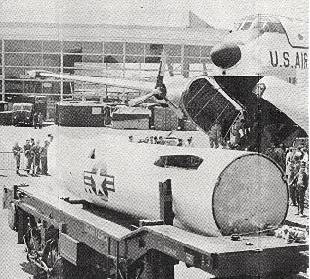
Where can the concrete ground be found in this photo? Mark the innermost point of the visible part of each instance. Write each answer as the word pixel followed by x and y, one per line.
pixel 13 263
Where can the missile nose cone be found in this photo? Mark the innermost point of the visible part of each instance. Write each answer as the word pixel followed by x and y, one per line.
pixel 226 55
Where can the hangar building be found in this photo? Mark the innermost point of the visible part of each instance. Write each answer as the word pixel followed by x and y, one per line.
pixel 128 41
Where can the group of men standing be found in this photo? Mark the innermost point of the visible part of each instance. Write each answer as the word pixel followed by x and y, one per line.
pixel 35 154
pixel 297 177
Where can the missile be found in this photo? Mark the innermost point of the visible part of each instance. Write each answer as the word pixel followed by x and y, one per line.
pixel 215 192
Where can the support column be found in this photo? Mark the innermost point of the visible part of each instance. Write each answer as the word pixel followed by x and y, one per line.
pixel 3 72
pixel 165 202
pixel 61 72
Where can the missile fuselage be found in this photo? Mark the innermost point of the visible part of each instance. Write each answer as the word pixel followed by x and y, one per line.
pixel 215 192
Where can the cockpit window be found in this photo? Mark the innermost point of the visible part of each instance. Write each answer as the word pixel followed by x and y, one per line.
pixel 246 25
pixel 263 24
pixel 273 27
pixel 179 161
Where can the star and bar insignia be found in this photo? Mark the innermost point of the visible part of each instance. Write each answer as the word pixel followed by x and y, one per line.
pixel 98 183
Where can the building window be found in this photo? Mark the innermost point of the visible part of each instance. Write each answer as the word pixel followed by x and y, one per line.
pixel 52 60
pixel 113 48
pixel 51 46
pixel 13 46
pixel 134 59
pixel 51 88
pixel 92 47
pixel 32 59
pixel 13 86
pixel 69 60
pixel 32 46
pixel 153 53
pixel 72 47
pixel 193 51
pixel 172 50
pixel 14 73
pixel 113 59
pixel 134 48
pixel 205 51
pixel 14 59
pixel 92 59
pixel 53 70
pixel 33 86
pixel 153 49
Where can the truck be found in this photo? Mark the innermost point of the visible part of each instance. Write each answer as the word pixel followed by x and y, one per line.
pixel 22 113
pixel 71 238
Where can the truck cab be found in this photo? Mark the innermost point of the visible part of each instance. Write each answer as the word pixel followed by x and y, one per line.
pixel 22 113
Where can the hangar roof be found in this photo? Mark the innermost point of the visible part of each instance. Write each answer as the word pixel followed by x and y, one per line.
pixel 137 12
pixel 90 20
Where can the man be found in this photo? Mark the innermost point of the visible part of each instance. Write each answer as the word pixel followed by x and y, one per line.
pixel 305 157
pixel 280 156
pixel 302 185
pixel 32 143
pixel 215 134
pixel 16 152
pixel 288 158
pixel 40 120
pixel 180 142
pixel 35 120
pixel 160 140
pixel 43 157
pixel 189 142
pixel 291 181
pixel 36 152
pixel 27 153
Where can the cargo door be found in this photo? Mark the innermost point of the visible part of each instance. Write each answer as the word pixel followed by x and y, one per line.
pixel 205 102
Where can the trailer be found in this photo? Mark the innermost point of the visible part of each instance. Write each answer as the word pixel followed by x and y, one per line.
pixel 68 238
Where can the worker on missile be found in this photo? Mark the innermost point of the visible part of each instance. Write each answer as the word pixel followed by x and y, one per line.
pixel 215 134
pixel 17 150
pixel 180 142
pixel 27 153
pixel 160 140
pixel 189 142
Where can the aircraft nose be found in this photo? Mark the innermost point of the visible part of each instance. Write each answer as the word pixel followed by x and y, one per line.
pixel 226 55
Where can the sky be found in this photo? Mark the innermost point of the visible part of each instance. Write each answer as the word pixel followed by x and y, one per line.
pixel 218 13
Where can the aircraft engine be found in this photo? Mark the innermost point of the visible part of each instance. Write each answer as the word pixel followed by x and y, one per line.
pixel 215 192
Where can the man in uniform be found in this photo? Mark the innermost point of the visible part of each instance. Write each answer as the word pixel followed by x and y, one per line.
pixel 36 152
pixel 40 120
pixel 35 120
pixel 215 134
pixel 291 181
pixel 302 184
pixel 27 148
pixel 43 156
pixel 16 152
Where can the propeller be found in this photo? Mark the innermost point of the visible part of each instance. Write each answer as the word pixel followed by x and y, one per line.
pixel 160 91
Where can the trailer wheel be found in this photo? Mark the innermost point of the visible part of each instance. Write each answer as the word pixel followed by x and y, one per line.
pixel 51 258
